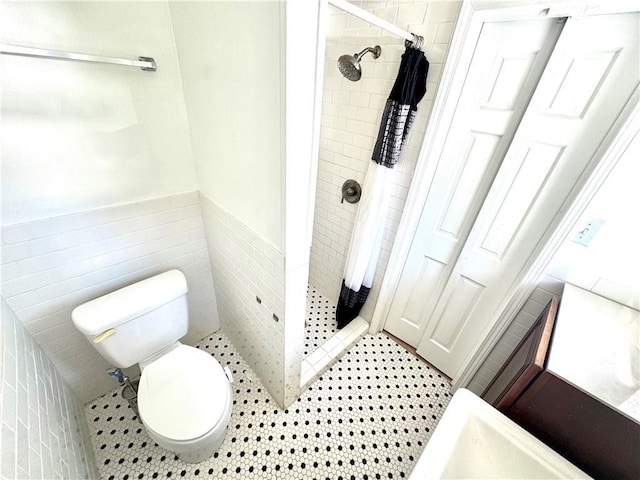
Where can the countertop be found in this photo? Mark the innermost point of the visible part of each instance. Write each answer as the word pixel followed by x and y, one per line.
pixel 596 347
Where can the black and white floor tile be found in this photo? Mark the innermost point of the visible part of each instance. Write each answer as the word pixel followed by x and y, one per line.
pixel 321 323
pixel 367 417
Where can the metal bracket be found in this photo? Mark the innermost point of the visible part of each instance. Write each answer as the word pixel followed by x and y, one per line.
pixel 151 68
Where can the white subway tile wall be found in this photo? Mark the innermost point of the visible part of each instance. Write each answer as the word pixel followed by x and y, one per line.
pixel 50 266
pixel 249 278
pixel 351 112
pixel 44 430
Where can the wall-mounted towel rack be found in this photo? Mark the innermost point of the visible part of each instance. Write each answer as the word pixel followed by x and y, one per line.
pixel 144 63
pixel 412 40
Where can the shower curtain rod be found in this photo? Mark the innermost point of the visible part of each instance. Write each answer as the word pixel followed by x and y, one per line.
pixel 415 40
pixel 145 63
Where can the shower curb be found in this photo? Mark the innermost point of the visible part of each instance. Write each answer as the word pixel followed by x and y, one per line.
pixel 331 351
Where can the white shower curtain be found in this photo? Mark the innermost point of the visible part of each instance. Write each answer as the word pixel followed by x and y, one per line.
pixel 368 230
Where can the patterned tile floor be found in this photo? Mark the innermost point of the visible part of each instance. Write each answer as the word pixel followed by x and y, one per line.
pixel 367 417
pixel 321 321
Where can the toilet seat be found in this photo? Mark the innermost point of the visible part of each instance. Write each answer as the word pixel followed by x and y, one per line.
pixel 183 395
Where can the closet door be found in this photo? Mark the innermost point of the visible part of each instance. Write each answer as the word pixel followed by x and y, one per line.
pixel 507 64
pixel 591 76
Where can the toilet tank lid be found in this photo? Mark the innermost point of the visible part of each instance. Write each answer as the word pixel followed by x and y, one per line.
pixel 132 301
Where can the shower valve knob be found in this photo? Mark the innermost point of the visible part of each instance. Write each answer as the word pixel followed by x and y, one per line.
pixel 351 191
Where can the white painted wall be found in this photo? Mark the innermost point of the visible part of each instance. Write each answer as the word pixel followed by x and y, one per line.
pixel 98 179
pixel 609 266
pixel 232 60
pixel 78 136
pixel 82 137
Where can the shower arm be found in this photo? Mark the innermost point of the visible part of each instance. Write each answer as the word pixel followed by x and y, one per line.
pixel 374 51
pixel 411 39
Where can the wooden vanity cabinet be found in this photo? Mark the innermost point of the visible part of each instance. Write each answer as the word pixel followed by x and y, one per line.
pixel 600 440
pixel 525 363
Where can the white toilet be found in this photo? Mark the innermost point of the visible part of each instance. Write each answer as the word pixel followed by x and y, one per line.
pixel 184 395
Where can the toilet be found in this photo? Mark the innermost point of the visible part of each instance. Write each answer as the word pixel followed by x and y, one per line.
pixel 184 395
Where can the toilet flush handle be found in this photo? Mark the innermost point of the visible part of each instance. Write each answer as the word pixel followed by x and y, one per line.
pixel 104 335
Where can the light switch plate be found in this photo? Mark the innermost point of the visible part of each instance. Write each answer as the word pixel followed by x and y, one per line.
pixel 587 231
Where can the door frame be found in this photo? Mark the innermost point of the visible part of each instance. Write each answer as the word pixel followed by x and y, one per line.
pixel 473 14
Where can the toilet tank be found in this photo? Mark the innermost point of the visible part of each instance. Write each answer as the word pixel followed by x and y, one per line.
pixel 137 321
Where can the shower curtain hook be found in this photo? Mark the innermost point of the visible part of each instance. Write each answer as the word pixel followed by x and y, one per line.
pixel 415 43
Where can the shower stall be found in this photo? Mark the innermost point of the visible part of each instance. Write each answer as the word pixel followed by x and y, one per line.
pixel 355 90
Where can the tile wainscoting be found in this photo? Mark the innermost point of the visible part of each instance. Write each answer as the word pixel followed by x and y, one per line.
pixel 50 266
pixel 44 432
pixel 249 278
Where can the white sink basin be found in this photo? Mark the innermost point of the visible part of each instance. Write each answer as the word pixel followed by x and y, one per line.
pixel 474 440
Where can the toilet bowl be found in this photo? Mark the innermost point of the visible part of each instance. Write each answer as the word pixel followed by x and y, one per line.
pixel 184 395
pixel 185 400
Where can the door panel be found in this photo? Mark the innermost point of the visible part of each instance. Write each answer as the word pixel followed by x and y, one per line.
pixel 458 308
pixel 508 62
pixel 464 184
pixel 579 83
pixel 588 81
pixel 506 80
pixel 429 272
pixel 527 171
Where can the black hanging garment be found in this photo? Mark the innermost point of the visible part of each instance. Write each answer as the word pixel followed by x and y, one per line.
pixel 400 109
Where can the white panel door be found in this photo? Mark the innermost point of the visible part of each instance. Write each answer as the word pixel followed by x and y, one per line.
pixel 591 75
pixel 507 64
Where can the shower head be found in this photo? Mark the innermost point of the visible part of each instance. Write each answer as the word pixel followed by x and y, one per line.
pixel 349 65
